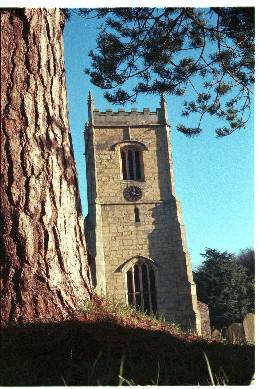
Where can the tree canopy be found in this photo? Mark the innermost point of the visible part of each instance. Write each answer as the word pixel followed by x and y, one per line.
pixel 225 285
pixel 207 54
pixel 246 258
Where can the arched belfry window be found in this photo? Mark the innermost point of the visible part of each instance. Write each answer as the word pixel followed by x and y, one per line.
pixel 141 286
pixel 131 163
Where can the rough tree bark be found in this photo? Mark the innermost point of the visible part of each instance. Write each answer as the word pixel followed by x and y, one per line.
pixel 44 271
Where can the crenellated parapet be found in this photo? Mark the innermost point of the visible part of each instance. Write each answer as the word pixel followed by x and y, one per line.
pixel 122 118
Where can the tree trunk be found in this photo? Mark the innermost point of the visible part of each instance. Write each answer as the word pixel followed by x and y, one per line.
pixel 44 270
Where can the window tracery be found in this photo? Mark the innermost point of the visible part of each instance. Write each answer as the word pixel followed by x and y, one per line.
pixel 141 286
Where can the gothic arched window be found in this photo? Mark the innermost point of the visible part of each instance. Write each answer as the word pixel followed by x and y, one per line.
pixel 131 163
pixel 141 286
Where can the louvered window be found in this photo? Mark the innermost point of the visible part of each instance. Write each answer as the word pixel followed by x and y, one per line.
pixel 131 164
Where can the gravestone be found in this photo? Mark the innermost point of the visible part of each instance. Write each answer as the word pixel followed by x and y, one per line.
pixel 249 327
pixel 224 332
pixel 235 333
pixel 216 334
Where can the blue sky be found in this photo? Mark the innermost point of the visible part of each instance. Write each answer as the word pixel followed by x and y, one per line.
pixel 213 177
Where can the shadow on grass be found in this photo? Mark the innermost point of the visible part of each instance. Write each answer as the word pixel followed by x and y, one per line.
pixel 82 353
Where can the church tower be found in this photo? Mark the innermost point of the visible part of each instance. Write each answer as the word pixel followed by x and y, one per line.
pixel 134 225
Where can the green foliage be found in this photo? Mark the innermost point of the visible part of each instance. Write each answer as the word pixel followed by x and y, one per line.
pixel 174 50
pixel 247 258
pixel 224 284
pixel 89 306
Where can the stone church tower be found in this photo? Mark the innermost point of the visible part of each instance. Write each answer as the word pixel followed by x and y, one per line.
pixel 134 225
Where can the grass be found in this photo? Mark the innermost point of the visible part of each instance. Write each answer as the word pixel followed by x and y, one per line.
pixel 113 344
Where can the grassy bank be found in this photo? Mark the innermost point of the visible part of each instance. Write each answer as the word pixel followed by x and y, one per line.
pixel 111 344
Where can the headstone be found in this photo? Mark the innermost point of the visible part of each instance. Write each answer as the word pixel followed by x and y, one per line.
pixel 235 333
pixel 216 334
pixel 205 320
pixel 249 327
pixel 224 332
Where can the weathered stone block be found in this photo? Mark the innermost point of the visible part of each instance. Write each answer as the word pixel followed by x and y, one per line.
pixel 249 327
pixel 235 333
pixel 216 334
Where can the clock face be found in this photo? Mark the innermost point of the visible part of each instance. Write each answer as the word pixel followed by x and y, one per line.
pixel 132 193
